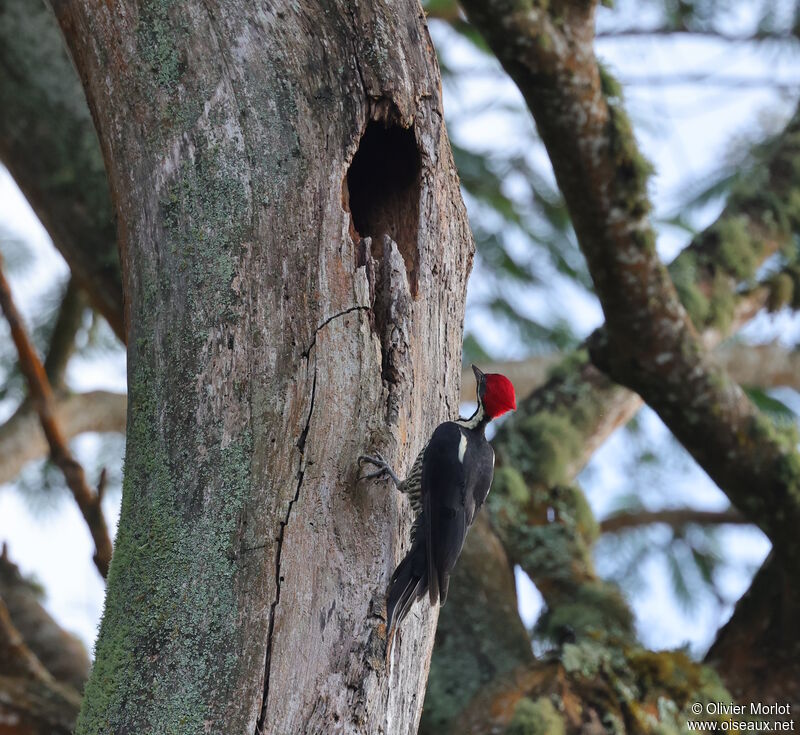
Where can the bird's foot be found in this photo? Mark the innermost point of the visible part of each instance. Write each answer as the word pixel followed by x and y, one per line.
pixel 384 470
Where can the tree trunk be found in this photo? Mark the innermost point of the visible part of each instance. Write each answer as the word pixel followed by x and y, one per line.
pixel 285 312
pixel 756 650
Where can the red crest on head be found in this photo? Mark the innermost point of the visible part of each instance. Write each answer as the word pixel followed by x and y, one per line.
pixel 499 395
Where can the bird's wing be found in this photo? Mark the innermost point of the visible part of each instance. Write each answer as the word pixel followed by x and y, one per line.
pixel 484 481
pixel 444 506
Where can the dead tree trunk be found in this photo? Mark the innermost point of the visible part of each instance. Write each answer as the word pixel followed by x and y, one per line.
pixel 295 254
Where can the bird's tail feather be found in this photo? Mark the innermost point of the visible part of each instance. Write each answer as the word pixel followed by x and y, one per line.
pixel 409 583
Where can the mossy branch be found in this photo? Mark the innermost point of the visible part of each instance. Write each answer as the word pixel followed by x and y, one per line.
pixel 649 342
pixel 593 404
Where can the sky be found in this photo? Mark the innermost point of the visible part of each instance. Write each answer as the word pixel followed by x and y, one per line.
pixel 685 130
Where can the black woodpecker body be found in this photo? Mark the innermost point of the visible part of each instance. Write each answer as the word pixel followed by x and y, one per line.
pixel 447 485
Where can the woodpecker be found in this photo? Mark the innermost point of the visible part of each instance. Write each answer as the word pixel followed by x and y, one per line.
pixel 447 485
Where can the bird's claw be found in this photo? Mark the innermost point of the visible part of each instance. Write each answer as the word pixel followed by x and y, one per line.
pixel 378 461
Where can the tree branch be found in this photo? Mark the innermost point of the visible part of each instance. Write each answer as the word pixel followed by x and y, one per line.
pixel 21 437
pixel 649 342
pixel 756 650
pixel 61 653
pixel 769 365
pixel 676 518
pixel 556 429
pixel 44 401
pixel 755 37
pixel 552 435
pixel 62 341
pixel 29 696
pixel 763 366
pixel 708 80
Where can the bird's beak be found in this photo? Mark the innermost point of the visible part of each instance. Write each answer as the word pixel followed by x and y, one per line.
pixel 480 383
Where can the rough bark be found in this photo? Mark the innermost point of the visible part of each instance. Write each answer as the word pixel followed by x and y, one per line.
pixel 49 145
pixel 269 345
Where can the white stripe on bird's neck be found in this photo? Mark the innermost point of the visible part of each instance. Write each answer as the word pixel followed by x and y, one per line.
pixel 476 418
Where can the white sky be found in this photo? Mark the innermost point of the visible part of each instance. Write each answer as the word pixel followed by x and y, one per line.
pixel 685 131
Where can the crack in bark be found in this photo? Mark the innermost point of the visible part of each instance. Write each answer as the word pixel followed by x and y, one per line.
pixel 360 73
pixel 355 55
pixel 301 443
pixel 324 324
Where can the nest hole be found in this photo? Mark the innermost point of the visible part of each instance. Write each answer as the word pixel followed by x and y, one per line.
pixel 383 191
